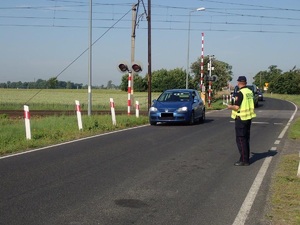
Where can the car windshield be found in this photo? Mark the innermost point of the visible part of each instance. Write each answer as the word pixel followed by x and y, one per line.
pixel 174 96
pixel 236 89
pixel 251 87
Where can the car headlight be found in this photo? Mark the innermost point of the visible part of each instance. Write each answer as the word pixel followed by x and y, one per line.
pixel 182 109
pixel 153 109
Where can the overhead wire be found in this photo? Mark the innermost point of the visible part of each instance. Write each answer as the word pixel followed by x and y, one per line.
pixel 72 6
pixel 217 13
pixel 82 53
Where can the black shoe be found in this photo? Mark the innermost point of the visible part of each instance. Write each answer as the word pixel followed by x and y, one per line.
pixel 239 163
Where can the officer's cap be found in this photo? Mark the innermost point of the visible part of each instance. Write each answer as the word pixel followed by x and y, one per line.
pixel 242 79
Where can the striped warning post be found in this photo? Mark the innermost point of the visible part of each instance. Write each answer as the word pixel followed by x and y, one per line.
pixel 137 109
pixel 113 112
pixel 78 111
pixel 129 93
pixel 27 121
pixel 202 88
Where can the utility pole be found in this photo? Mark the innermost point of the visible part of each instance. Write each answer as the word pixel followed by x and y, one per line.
pixel 149 54
pixel 134 18
pixel 90 63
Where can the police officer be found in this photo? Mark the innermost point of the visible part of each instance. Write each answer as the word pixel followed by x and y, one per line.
pixel 242 113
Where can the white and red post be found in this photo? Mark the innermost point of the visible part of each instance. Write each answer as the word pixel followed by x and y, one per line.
pixel 209 93
pixel 129 92
pixel 78 111
pixel 137 109
pixel 27 122
pixel 113 112
pixel 202 87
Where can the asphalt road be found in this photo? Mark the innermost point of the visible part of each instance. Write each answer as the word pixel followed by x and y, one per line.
pixel 174 174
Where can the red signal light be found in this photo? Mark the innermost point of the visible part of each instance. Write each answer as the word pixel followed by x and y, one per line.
pixel 136 68
pixel 123 67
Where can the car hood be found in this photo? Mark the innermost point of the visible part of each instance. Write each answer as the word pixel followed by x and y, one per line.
pixel 173 105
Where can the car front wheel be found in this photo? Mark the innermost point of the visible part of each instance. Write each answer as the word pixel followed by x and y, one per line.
pixel 202 118
pixel 152 123
pixel 192 119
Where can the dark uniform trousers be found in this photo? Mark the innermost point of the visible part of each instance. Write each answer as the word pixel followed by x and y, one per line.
pixel 242 132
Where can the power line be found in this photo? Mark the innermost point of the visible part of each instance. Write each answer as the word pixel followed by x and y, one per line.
pixel 82 53
pixel 250 5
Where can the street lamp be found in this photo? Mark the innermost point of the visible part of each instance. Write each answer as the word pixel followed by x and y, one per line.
pixel 188 49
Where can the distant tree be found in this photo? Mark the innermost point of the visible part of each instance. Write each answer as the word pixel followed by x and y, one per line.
pixel 52 83
pixel 139 83
pixel 287 83
pixel 61 85
pixel 267 76
pixel 3 85
pixel 41 84
pixel 222 69
pixel 164 79
pixel 69 85
pixel 109 84
pixel 124 82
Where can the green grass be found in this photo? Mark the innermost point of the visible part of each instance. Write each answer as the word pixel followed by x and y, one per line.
pixel 53 130
pixel 285 198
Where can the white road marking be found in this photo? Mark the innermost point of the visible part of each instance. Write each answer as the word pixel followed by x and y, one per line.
pixel 277 142
pixel 298 174
pixel 248 202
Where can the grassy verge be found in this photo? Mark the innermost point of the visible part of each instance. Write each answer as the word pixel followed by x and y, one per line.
pixel 285 198
pixel 285 192
pixel 53 130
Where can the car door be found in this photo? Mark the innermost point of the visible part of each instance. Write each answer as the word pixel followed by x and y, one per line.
pixel 197 104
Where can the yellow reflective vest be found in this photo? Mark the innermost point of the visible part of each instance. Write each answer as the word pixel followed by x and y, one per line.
pixel 246 110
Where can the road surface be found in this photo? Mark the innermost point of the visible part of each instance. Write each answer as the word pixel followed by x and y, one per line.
pixel 162 175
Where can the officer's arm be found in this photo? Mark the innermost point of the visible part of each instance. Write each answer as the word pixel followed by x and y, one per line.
pixel 233 107
pixel 238 102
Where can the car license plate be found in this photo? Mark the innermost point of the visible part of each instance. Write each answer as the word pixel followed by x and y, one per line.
pixel 166 115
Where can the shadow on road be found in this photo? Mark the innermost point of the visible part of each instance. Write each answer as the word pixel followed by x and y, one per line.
pixel 258 156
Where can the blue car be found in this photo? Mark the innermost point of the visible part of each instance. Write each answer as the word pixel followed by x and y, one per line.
pixel 177 105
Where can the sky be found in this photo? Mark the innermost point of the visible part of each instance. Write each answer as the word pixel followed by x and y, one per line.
pixel 40 39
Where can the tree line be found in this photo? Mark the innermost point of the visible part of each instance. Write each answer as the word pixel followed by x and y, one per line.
pixel 275 79
pixel 279 82
pixel 53 83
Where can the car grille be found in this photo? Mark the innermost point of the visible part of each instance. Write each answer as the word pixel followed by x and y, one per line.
pixel 167 115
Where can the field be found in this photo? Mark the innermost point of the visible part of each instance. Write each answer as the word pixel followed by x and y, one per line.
pixel 58 99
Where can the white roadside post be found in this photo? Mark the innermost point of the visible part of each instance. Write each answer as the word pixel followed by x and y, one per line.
pixel 113 113
pixel 137 109
pixel 27 122
pixel 298 173
pixel 78 111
